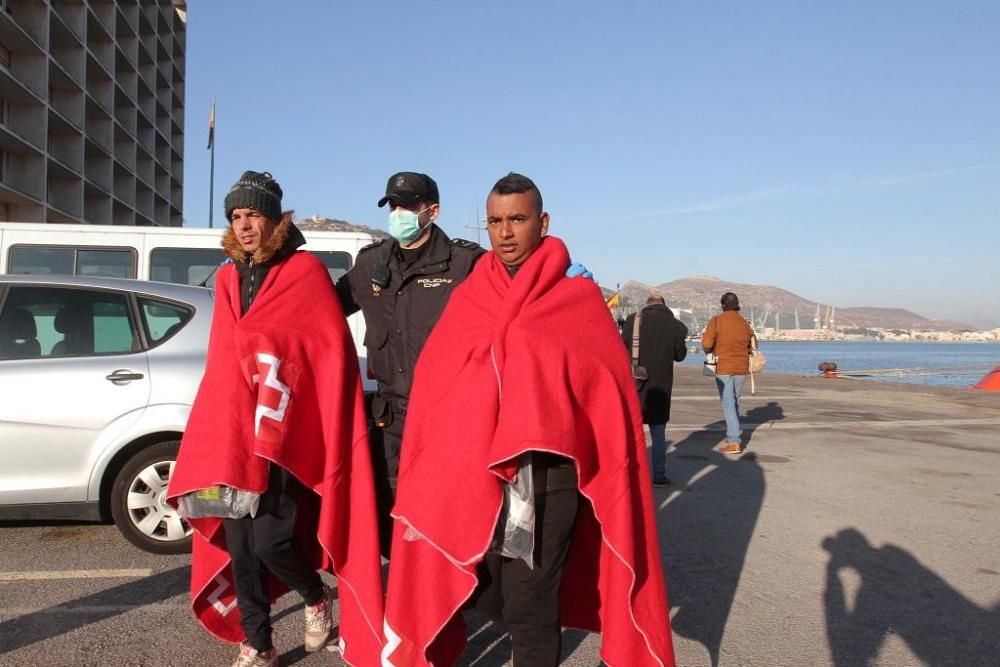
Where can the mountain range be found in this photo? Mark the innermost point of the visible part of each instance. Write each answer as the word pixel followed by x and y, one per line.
pixel 770 306
pixel 698 297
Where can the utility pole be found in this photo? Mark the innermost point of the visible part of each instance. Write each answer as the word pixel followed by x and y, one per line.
pixel 479 226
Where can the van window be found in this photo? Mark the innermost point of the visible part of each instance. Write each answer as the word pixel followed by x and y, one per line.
pixel 45 260
pixel 337 263
pixel 187 266
pixel 106 263
pixel 42 260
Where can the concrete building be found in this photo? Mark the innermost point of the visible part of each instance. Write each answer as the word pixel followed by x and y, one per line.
pixel 92 111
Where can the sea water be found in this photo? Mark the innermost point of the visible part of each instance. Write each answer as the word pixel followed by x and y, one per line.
pixel 943 364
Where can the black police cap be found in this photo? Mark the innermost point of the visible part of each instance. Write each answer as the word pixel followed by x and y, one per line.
pixel 408 188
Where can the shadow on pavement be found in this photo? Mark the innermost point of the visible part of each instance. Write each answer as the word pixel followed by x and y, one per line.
pixel 758 417
pixel 38 626
pixel 899 596
pixel 489 643
pixel 708 528
pixel 708 525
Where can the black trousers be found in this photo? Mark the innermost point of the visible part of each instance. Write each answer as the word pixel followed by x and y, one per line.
pixel 386 444
pixel 526 600
pixel 265 543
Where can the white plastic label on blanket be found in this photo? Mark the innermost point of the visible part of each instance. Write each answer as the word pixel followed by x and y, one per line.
pixel 218 501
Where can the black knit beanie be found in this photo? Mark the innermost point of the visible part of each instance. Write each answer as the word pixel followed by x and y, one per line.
pixel 256 190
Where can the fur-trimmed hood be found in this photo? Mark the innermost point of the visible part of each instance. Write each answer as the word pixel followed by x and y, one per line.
pixel 285 239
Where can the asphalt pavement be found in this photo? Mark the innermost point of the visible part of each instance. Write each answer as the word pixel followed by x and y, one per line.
pixel 859 527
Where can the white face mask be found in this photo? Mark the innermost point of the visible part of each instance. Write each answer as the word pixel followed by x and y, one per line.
pixel 404 225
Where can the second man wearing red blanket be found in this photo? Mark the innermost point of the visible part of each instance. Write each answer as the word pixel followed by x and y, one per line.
pixel 523 481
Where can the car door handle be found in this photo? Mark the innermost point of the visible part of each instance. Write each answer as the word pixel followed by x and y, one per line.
pixel 123 375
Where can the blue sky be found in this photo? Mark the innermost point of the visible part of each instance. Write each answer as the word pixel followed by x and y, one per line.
pixel 848 152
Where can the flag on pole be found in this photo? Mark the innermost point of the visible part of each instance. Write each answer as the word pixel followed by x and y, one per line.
pixel 211 125
pixel 613 300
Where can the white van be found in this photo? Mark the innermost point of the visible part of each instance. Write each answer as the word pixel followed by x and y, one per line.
pixel 164 254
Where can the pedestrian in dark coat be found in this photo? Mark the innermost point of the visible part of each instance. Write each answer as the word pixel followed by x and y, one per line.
pixel 662 341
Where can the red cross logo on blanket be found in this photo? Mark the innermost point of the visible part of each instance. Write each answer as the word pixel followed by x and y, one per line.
pixel 223 596
pixel 272 397
pixel 397 650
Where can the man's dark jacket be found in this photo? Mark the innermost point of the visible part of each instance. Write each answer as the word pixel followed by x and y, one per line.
pixel 400 315
pixel 662 341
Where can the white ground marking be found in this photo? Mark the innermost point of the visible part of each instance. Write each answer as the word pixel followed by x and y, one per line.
pixel 40 575
pixel 786 424
pixel 85 609
pixel 747 397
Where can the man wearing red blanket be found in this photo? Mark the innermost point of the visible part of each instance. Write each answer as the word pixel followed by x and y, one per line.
pixel 279 413
pixel 523 484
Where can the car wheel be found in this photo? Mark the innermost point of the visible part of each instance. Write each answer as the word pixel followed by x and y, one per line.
pixel 139 502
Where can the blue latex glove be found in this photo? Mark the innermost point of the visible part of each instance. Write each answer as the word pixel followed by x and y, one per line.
pixel 575 270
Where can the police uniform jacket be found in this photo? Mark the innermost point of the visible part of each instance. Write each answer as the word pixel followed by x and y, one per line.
pixel 400 315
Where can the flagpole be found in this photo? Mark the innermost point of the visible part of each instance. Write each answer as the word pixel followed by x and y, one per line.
pixel 211 189
pixel 211 176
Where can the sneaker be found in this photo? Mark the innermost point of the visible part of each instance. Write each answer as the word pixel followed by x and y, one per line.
pixel 319 622
pixel 251 657
pixel 661 481
pixel 732 448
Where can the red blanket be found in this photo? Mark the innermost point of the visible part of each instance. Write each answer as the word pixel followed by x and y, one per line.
pixel 281 387
pixel 530 363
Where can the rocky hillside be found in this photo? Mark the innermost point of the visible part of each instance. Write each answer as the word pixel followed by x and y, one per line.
pixel 769 305
pixel 319 224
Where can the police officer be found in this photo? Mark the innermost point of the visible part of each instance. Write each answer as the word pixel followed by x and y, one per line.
pixel 401 285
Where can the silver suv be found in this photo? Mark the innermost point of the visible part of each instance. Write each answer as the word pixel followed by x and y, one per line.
pixel 97 378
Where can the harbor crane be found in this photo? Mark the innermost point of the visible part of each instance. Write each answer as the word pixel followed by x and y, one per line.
pixel 762 322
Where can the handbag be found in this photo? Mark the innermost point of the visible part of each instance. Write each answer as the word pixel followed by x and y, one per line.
pixel 708 368
pixel 757 361
pixel 639 374
pixel 757 358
